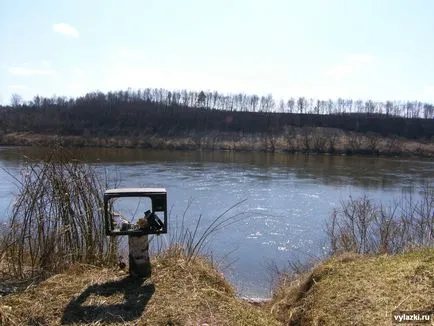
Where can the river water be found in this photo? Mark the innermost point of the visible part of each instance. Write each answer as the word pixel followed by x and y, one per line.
pixel 285 199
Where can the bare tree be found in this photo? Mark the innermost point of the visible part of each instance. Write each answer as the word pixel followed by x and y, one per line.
pixel 281 106
pixel 369 107
pixel 254 100
pixel 301 104
pixel 388 107
pixel 290 104
pixel 341 105
pixel 317 107
pixel 359 106
pixel 417 109
pixel 16 100
pixel 428 111
pixel 329 106
pixel 349 105
pixel 201 98
pixel 408 109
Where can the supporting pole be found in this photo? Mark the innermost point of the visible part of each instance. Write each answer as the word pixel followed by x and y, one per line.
pixel 139 261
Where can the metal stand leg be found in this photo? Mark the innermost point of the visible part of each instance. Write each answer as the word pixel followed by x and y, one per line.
pixel 139 261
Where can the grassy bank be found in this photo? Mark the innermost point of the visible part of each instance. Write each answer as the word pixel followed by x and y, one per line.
pixel 304 140
pixel 180 292
pixel 358 290
pixel 344 290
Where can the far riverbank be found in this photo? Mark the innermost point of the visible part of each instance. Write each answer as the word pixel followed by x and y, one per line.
pixel 315 140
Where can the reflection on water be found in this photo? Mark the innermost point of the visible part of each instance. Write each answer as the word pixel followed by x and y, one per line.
pixel 375 172
pixel 288 197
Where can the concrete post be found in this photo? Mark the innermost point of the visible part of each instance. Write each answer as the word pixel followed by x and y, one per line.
pixel 139 261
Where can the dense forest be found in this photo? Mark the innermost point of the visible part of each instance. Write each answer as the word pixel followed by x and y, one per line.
pixel 171 113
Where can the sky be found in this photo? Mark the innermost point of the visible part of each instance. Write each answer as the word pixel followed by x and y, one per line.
pixel 358 49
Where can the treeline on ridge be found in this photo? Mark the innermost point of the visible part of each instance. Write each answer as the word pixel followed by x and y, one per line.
pixel 174 113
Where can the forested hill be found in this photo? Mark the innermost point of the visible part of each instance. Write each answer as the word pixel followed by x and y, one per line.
pixel 173 113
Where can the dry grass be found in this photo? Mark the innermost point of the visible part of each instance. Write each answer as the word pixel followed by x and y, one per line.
pixel 357 290
pixel 349 289
pixel 180 292
pixel 306 139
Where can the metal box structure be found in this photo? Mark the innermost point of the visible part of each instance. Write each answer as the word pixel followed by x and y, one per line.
pixel 150 223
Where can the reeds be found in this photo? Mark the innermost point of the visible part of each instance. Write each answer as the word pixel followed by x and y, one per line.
pixel 57 219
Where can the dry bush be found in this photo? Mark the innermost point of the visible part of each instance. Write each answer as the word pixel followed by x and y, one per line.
pixel 304 142
pixel 362 226
pixel 373 142
pixel 271 140
pixel 57 219
pixel 319 141
pixel 290 135
pixel 393 145
pixel 355 142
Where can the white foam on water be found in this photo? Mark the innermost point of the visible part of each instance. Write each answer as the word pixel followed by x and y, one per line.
pixel 275 233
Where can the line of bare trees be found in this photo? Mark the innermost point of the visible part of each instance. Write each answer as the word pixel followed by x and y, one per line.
pixel 179 113
pixel 237 102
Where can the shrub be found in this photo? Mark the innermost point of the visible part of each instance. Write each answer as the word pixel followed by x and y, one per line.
pixel 362 226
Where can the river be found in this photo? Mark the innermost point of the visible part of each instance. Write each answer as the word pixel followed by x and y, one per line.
pixel 286 198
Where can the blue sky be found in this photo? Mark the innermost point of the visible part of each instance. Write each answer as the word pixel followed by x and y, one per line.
pixel 370 49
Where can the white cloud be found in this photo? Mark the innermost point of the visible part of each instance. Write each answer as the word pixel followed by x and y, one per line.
pixel 66 29
pixel 78 73
pixel 341 70
pixel 45 63
pixel 351 64
pixel 130 54
pixel 23 71
pixel 18 87
pixel 360 58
